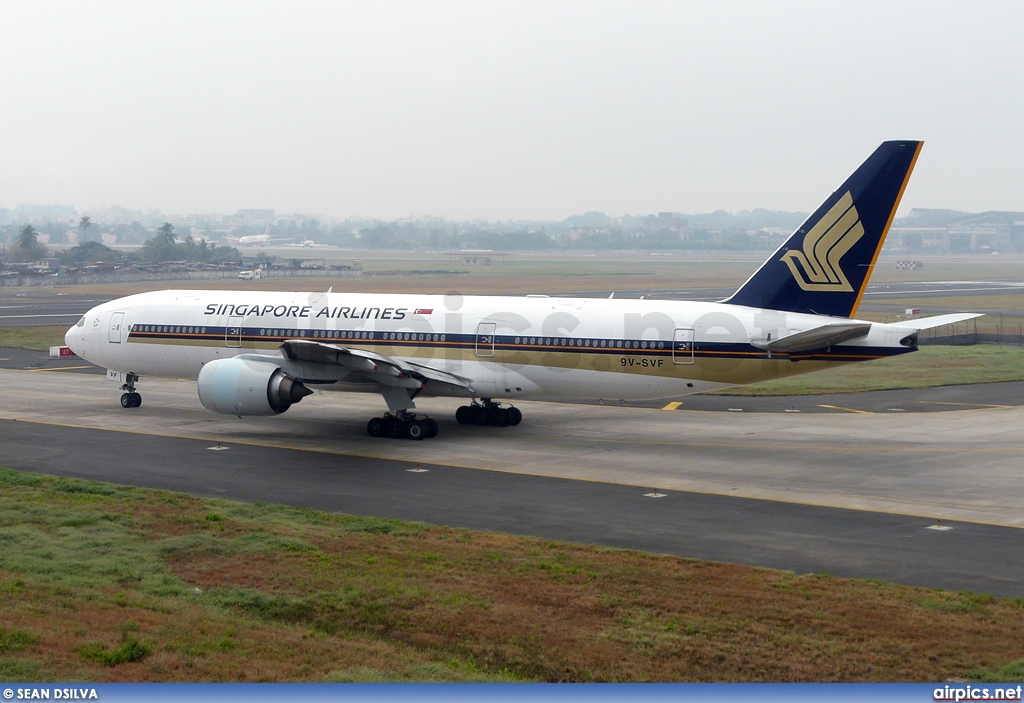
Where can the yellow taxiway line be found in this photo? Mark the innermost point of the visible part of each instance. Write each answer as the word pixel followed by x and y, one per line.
pixel 976 405
pixel 60 368
pixel 849 410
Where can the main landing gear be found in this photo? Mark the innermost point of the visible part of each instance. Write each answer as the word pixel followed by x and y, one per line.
pixel 402 424
pixel 488 413
pixel 130 398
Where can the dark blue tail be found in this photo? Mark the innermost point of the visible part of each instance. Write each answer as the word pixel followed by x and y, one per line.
pixel 823 268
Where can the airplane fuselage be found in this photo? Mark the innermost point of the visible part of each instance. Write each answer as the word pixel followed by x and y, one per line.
pixel 509 347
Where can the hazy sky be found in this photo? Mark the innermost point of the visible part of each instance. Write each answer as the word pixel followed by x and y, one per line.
pixel 504 110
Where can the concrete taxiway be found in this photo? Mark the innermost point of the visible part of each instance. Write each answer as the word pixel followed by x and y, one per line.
pixel 845 493
pixel 39 309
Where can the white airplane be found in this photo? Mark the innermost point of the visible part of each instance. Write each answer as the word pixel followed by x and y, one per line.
pixel 251 240
pixel 257 353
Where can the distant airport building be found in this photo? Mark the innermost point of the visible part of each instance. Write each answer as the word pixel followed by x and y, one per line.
pixel 940 231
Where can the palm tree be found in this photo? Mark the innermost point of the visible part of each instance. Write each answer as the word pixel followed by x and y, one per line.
pixel 167 235
pixel 28 239
pixel 84 224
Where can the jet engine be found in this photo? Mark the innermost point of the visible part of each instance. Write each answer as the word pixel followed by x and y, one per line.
pixel 246 387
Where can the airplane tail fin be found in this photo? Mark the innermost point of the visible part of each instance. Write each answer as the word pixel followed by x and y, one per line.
pixel 823 268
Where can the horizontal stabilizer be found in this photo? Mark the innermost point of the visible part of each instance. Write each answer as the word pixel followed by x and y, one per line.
pixel 927 323
pixel 817 338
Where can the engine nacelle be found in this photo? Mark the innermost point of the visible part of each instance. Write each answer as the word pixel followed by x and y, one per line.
pixel 245 387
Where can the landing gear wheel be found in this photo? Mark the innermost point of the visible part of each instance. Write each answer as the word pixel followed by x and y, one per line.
pixel 395 428
pixel 375 427
pixel 130 398
pixel 431 427
pixel 488 413
pixel 403 426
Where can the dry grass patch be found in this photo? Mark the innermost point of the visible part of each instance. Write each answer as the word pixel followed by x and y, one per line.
pixel 110 583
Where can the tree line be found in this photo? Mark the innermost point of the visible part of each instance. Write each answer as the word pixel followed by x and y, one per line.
pixel 163 246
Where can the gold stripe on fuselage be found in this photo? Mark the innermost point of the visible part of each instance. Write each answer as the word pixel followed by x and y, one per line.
pixel 732 367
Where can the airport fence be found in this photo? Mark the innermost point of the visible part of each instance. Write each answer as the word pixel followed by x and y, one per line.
pixel 966 333
pixel 137 276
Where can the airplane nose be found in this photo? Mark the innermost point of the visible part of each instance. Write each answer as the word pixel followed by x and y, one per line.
pixel 74 339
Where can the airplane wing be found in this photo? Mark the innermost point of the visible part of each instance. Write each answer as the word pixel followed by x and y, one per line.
pixel 817 338
pixel 927 323
pixel 383 369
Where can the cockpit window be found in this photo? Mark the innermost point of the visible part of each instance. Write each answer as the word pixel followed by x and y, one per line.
pixel 81 323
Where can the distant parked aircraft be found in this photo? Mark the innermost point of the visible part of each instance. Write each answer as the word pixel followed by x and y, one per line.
pixel 257 239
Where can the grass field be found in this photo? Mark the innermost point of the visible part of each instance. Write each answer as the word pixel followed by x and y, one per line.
pixel 111 583
pixel 928 367
pixel 38 338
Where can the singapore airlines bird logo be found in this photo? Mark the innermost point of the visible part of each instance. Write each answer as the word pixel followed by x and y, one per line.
pixel 817 268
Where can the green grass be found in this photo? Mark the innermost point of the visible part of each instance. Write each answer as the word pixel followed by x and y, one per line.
pixel 16 640
pixel 131 651
pixel 929 366
pixel 100 582
pixel 36 338
pixel 1012 672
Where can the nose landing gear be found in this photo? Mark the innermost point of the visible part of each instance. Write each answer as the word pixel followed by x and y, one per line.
pixel 130 398
pixel 488 412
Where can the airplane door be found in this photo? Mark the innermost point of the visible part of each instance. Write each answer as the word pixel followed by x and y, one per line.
pixel 116 321
pixel 682 346
pixel 485 339
pixel 233 332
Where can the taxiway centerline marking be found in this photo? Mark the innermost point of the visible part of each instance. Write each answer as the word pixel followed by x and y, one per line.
pixel 672 405
pixel 849 410
pixel 59 368
pixel 977 405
